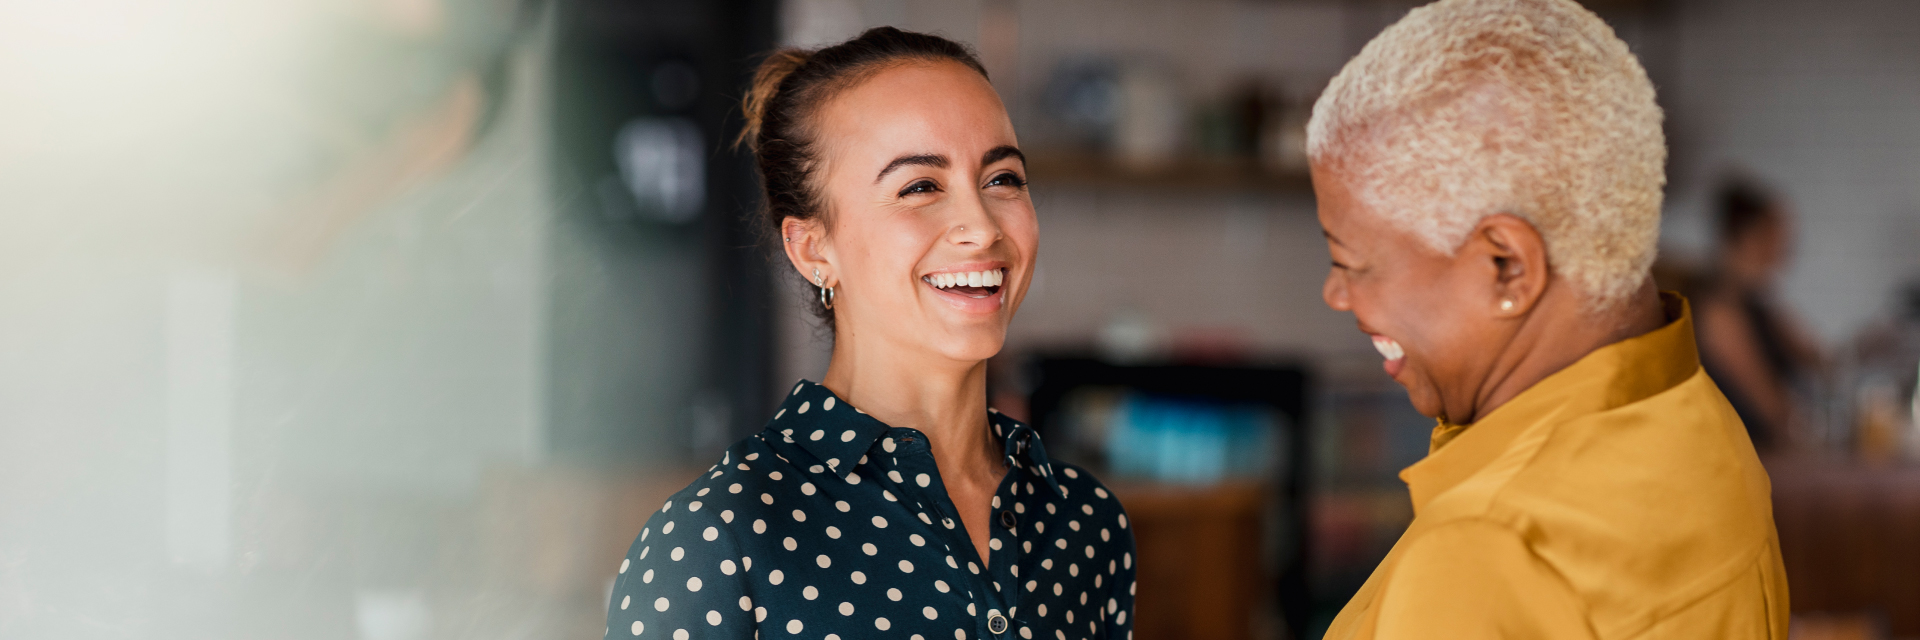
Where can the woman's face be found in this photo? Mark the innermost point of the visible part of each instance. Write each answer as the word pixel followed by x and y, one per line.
pixel 930 235
pixel 1758 255
pixel 1424 310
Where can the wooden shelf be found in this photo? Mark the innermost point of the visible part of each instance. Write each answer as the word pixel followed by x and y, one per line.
pixel 1200 572
pixel 1201 173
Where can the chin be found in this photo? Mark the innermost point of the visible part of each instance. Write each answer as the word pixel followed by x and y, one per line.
pixel 1424 401
pixel 969 348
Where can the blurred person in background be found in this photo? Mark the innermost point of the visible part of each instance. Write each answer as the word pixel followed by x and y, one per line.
pixel 1749 345
pixel 897 188
pixel 1489 176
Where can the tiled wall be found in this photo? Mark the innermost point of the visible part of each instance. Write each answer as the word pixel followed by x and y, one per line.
pixel 1822 99
pixel 1244 267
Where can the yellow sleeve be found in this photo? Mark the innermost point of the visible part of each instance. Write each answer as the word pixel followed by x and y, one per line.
pixel 1476 579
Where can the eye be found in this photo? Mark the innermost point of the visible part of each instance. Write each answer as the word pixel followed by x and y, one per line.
pixel 919 186
pixel 1008 179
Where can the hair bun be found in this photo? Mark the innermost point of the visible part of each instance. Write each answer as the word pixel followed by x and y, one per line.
pixel 766 84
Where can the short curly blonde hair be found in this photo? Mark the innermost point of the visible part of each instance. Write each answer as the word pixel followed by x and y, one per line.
pixel 1466 108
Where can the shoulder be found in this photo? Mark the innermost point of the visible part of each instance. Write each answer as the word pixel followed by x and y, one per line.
pixel 750 481
pixel 1080 486
pixel 1084 496
pixel 1681 449
pixel 1669 482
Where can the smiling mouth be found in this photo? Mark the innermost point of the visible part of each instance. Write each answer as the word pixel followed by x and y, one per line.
pixel 972 284
pixel 1395 355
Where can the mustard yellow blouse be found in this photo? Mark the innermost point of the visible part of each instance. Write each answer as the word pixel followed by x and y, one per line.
pixel 1618 498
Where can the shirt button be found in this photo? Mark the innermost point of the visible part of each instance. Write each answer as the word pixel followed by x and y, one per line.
pixel 997 624
pixel 1008 520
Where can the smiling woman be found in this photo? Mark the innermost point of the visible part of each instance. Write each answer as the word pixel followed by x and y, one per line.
pixel 897 189
pixel 1488 176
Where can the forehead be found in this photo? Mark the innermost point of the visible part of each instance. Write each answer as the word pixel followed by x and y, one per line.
pixel 1350 220
pixel 1333 195
pixel 919 107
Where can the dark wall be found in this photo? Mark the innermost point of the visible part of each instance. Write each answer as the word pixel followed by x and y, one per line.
pixel 661 323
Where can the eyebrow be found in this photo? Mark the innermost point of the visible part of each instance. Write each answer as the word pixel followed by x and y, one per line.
pixel 937 161
pixel 1002 152
pixel 925 160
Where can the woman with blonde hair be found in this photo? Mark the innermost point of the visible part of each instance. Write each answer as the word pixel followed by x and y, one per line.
pixel 1489 176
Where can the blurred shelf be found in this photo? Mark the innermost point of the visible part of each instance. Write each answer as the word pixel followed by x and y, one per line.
pixel 1594 5
pixel 1848 533
pixel 1199 558
pixel 1187 173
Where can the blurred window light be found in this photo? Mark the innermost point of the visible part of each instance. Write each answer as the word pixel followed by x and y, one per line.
pixel 392 614
pixel 200 337
pixel 663 167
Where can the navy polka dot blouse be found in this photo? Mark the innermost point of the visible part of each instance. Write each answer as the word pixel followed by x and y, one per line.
pixel 831 525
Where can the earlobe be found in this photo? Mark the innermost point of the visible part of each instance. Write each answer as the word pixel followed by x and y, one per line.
pixel 1519 257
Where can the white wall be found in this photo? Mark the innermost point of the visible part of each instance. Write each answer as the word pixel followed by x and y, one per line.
pixel 1822 99
pixel 1246 267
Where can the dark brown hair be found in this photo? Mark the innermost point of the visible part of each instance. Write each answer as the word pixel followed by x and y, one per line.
pixel 1741 205
pixel 789 88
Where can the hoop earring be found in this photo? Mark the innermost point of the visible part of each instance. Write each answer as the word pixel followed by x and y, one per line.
pixel 826 293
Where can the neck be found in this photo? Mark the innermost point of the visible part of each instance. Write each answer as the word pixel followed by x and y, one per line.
pixel 943 398
pixel 1558 332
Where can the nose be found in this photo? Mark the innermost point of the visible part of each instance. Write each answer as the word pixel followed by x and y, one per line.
pixel 973 226
pixel 1334 291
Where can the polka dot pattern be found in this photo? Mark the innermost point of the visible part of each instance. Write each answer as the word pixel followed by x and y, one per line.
pixel 788 537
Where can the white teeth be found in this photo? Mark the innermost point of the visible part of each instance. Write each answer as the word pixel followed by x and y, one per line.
pixel 992 278
pixel 1388 348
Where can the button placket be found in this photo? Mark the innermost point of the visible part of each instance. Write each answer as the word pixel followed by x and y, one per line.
pixel 1008 558
pixel 986 590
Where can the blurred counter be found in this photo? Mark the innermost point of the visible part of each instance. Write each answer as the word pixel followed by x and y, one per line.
pixel 1850 536
pixel 1201 569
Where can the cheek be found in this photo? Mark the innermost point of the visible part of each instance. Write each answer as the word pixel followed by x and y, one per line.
pixel 881 252
pixel 1022 229
pixel 1410 309
pixel 1373 302
pixel 1442 327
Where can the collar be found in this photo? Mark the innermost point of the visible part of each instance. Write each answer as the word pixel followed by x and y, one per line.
pixel 1610 377
pixel 840 435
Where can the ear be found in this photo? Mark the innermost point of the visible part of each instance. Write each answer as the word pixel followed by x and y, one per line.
pixel 805 241
pixel 1516 256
